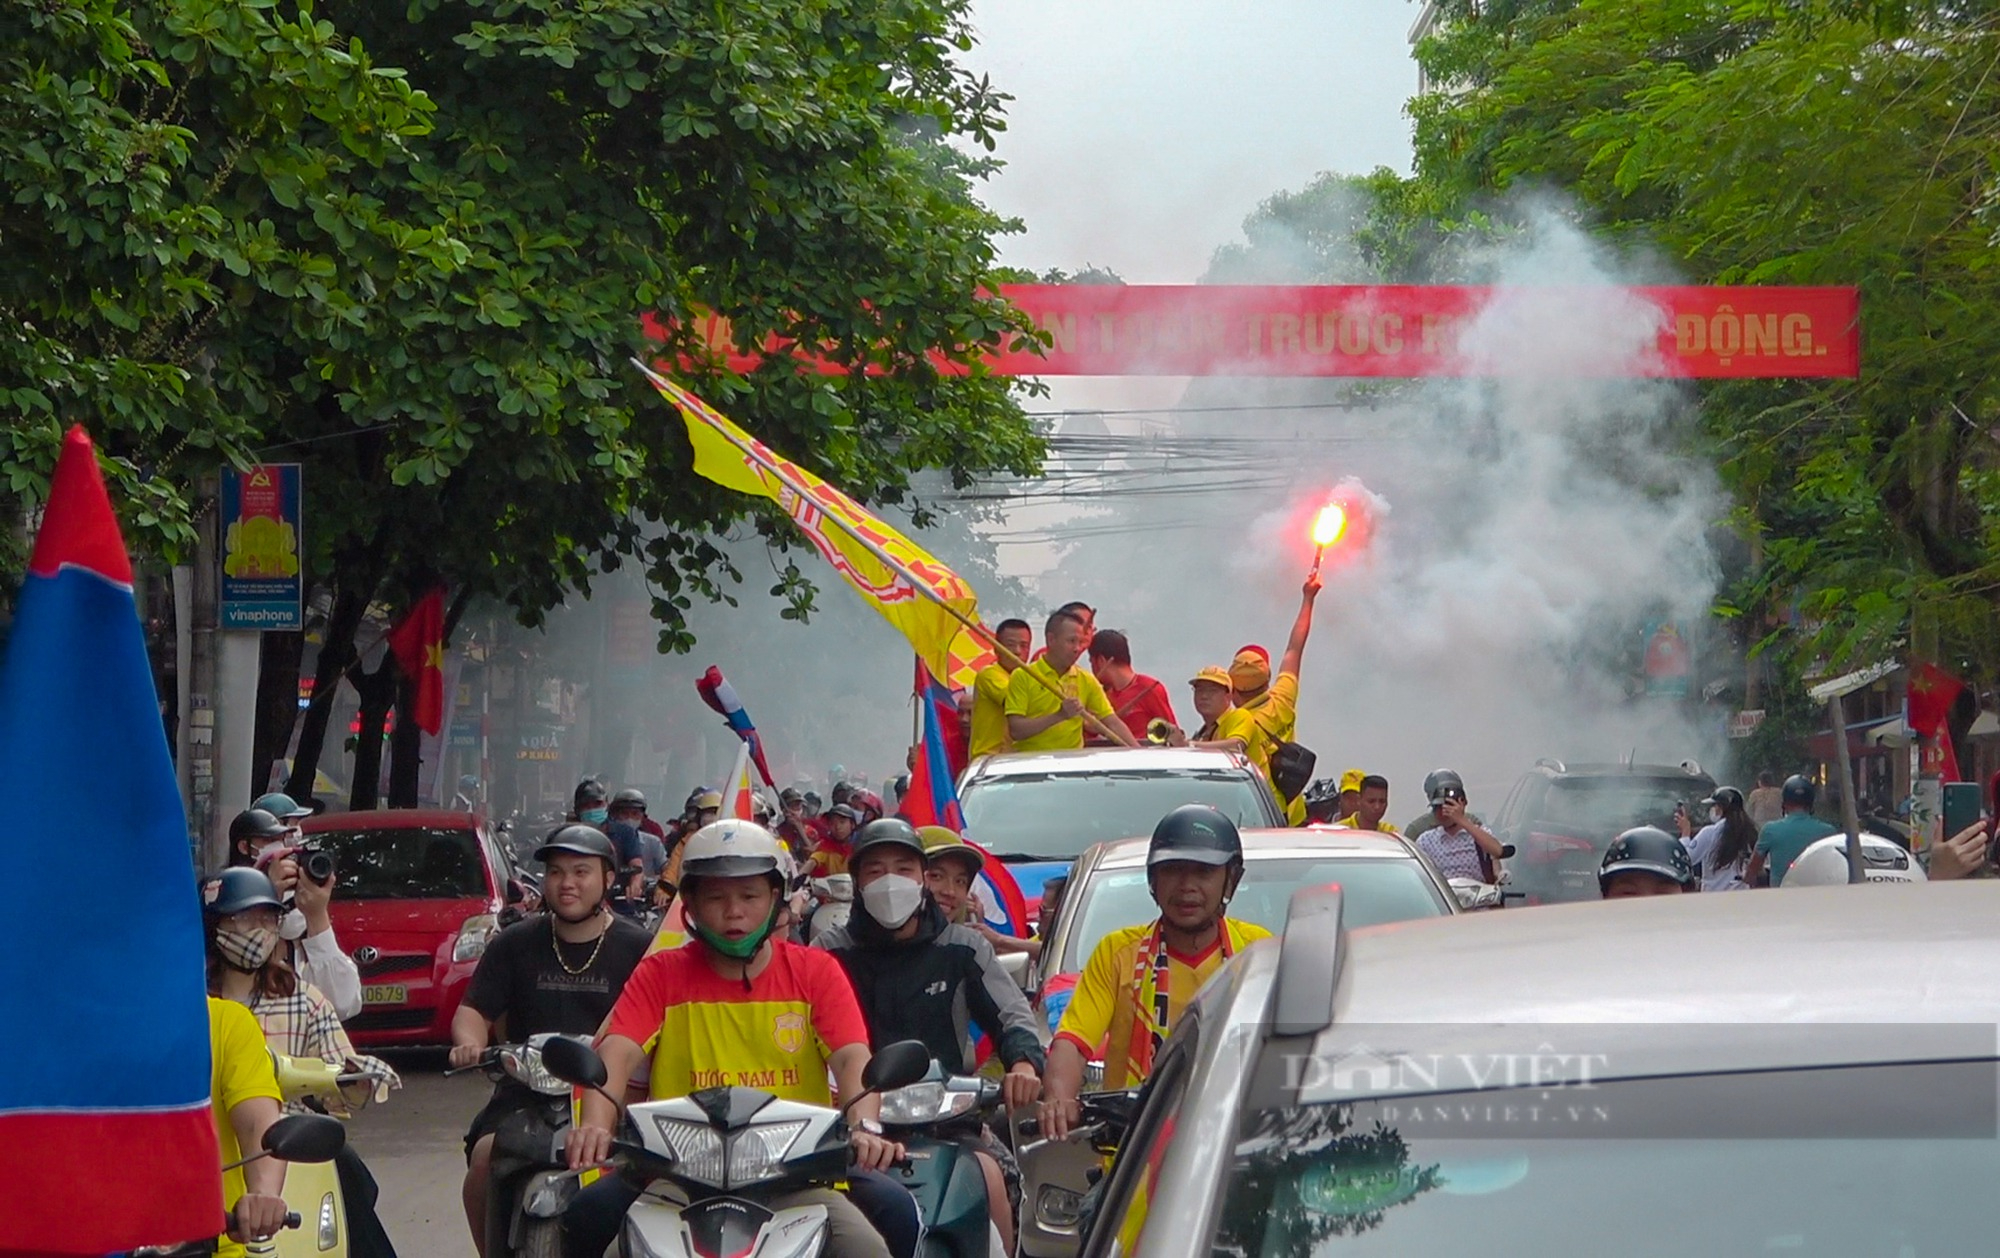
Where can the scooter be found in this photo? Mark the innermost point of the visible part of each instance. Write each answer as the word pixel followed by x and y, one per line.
pixel 529 1185
pixel 932 1118
pixel 1061 1180
pixel 724 1153
pixel 300 1140
pixel 314 1187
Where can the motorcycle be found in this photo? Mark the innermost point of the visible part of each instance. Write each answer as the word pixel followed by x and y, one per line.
pixel 297 1139
pixel 727 1151
pixel 315 1186
pixel 1062 1179
pixel 931 1118
pixel 529 1184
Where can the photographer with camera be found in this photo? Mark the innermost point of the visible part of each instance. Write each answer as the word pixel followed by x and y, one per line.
pixel 270 841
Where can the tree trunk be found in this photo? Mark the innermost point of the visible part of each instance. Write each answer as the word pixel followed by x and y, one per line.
pixel 378 695
pixel 335 654
pixel 277 701
pixel 405 748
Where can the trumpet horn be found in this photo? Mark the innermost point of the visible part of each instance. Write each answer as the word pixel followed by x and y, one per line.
pixel 1159 731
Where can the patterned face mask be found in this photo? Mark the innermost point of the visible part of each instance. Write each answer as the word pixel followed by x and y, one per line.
pixel 246 950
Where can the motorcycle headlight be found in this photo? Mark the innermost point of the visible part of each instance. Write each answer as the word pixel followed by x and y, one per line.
pixel 702 1154
pixel 329 1222
pixel 524 1065
pixel 928 1102
pixel 473 937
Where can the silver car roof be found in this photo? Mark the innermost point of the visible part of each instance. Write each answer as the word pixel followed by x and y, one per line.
pixel 1272 843
pixel 1668 984
pixel 1089 760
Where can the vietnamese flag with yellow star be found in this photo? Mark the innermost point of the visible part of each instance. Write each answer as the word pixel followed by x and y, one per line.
pixel 418 641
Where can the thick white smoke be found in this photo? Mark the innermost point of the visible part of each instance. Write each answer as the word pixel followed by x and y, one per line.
pixel 1538 521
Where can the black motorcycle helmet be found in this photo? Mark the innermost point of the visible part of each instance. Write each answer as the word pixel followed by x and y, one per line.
pixel 1195 832
pixel 1727 798
pixel 580 840
pixel 841 790
pixel 238 890
pixel 1443 784
pixel 1646 849
pixel 885 832
pixel 254 825
pixel 590 793
pixel 1322 799
pixel 630 797
pixel 1798 791
pixel 1291 769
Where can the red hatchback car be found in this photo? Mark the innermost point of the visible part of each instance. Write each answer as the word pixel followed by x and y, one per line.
pixel 418 893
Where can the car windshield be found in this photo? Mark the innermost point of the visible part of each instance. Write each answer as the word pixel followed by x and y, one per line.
pixel 413 863
pixel 1503 1174
pixel 1055 816
pixel 1375 890
pixel 1600 808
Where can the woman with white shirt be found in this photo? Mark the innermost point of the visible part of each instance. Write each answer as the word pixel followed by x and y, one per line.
pixel 1724 846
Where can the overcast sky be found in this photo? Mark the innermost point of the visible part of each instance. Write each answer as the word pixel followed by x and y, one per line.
pixel 1143 131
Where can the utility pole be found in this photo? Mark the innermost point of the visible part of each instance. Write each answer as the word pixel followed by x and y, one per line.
pixel 195 613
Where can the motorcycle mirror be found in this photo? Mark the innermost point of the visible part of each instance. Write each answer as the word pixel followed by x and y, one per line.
pixel 573 1061
pixel 1506 850
pixel 897 1066
pixel 305 1138
pixel 514 893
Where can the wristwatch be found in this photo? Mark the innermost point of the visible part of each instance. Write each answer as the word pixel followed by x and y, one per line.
pixel 869 1125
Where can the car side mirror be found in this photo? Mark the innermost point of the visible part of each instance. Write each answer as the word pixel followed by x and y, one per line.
pixel 573 1061
pixel 897 1066
pixel 305 1138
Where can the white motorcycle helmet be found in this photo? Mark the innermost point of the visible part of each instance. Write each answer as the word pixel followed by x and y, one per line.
pixel 1824 864
pixel 733 848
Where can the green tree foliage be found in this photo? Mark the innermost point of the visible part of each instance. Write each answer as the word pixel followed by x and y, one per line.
pixel 1804 143
pixel 231 231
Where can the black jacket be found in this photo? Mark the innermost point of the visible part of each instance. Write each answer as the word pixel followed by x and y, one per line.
pixel 931 987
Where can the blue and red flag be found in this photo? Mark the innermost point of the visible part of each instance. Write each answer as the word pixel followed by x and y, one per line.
pixel 106 1142
pixel 717 693
pixel 932 799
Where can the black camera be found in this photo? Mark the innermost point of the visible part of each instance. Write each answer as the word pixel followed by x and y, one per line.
pixel 315 864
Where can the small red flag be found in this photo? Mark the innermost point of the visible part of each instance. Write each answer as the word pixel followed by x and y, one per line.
pixel 418 641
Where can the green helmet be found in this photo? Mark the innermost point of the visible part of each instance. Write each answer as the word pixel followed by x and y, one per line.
pixel 282 806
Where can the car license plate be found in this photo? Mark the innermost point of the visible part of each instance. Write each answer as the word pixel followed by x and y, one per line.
pixel 385 995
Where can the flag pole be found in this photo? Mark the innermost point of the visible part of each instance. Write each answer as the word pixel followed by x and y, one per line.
pixel 1014 662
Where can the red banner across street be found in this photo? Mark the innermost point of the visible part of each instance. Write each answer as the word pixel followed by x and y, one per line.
pixel 1404 331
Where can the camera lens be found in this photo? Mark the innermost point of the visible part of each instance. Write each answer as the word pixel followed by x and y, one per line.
pixel 319 866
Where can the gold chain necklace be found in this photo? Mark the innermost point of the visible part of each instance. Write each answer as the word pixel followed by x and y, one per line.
pixel 556 940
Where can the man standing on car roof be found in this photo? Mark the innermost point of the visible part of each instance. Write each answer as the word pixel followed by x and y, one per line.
pixel 1139 979
pixel 560 970
pixel 1780 842
pixel 989 691
pixel 1047 699
pixel 1266 714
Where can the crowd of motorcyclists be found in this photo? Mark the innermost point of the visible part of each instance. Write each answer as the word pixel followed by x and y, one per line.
pixel 753 990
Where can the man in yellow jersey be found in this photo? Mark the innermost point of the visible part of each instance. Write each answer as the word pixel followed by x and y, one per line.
pixel 1267 709
pixel 1047 699
pixel 1370 806
pixel 739 1006
pixel 1139 979
pixel 989 691
pixel 243 1092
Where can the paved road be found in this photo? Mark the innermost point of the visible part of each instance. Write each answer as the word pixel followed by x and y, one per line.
pixel 414 1144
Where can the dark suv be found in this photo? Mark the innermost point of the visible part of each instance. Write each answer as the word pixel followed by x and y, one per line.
pixel 1560 818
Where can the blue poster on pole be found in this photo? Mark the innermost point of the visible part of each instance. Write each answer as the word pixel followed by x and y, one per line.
pixel 261 583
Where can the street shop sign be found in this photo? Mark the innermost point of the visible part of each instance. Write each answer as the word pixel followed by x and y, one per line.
pixel 262 584
pixel 1391 331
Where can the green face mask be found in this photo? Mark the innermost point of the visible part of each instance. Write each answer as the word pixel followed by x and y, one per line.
pixel 739 949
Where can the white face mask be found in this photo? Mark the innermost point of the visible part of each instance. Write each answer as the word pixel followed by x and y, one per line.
pixel 892 899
